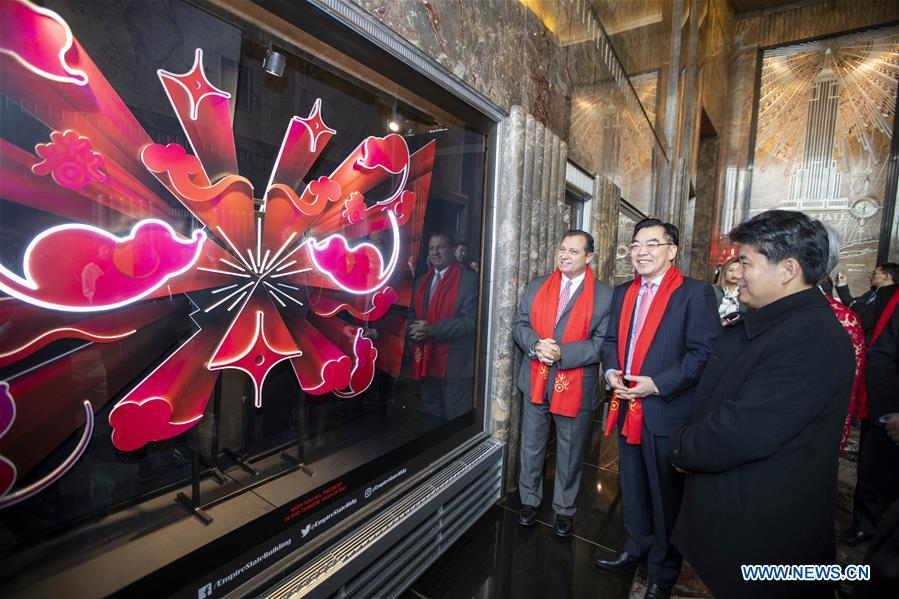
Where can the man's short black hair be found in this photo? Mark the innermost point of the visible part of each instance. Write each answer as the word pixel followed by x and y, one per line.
pixel 461 243
pixel 890 268
pixel 587 238
pixel 450 238
pixel 782 234
pixel 672 235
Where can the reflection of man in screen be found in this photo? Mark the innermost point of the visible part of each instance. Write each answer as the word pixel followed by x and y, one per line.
pixel 461 253
pixel 442 330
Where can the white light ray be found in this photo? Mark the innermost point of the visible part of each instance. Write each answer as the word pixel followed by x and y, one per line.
pixel 227 297
pixel 224 272
pixel 233 247
pixel 282 293
pixel 225 288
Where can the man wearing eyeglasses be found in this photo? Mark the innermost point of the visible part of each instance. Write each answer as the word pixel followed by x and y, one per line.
pixel 662 329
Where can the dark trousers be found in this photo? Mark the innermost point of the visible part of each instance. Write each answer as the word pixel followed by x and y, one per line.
pixel 877 486
pixel 651 491
pixel 571 437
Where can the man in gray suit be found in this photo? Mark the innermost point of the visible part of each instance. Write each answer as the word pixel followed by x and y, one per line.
pixel 442 323
pixel 560 325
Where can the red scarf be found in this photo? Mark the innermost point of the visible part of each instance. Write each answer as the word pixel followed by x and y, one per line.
pixel 849 320
pixel 878 329
pixel 568 388
pixel 429 356
pixel 633 422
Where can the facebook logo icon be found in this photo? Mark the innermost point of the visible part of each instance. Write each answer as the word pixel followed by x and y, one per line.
pixel 205 591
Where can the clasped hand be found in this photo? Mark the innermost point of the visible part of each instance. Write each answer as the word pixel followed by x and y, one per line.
pixel 548 351
pixel 420 330
pixel 644 385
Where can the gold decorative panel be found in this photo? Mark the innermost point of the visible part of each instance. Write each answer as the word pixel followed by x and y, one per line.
pixel 825 119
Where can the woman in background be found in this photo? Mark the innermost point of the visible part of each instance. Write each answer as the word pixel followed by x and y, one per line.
pixel 726 289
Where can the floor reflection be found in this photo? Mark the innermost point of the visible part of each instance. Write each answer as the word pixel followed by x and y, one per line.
pixel 499 558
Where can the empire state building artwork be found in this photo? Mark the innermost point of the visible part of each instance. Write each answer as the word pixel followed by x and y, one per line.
pixel 823 134
pixel 816 184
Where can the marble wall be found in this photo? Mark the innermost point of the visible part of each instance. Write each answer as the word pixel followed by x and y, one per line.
pixel 706 189
pixel 498 47
pixel 529 220
pixel 605 226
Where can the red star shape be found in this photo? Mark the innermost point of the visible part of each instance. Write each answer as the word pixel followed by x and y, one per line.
pixel 196 84
pixel 315 124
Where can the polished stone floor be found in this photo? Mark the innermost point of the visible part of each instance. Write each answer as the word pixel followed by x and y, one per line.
pixel 498 558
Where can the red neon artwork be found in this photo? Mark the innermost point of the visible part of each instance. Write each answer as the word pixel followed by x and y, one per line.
pixel 81 268
pixel 69 159
pixel 298 280
pixel 39 42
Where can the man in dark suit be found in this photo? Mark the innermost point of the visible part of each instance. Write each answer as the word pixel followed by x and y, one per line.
pixel 442 321
pixel 560 325
pixel 761 445
pixel 878 453
pixel 884 275
pixel 661 332
pixel 867 502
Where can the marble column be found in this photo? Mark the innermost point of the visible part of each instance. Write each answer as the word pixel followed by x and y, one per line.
pixel 529 221
pixel 607 202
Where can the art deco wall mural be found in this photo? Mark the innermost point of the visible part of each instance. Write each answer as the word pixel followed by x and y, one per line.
pixel 295 272
pixel 825 120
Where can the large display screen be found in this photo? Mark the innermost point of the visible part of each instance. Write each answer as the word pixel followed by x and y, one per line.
pixel 221 263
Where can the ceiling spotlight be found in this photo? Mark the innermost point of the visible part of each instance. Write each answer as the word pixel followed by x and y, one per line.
pixel 274 62
pixel 393 126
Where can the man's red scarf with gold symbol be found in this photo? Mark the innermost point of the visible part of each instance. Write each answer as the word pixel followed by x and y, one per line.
pixel 429 356
pixel 568 388
pixel 633 421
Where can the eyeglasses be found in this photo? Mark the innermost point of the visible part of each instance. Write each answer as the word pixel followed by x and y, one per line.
pixel 650 246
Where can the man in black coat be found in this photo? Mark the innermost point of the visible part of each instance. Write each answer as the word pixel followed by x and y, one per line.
pixel 878 454
pixel 762 442
pixel 884 275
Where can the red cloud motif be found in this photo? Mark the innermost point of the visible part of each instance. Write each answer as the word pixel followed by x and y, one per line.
pixel 172 157
pixel 364 368
pixel 389 153
pixel 325 188
pixel 39 40
pixel 137 423
pixel 80 268
pixel 380 303
pixel 357 270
